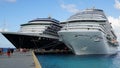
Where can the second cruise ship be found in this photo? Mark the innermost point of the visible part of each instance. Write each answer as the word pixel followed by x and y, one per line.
pixel 89 32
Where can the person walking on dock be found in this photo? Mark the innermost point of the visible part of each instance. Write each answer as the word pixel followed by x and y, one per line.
pixel 1 51
pixel 8 53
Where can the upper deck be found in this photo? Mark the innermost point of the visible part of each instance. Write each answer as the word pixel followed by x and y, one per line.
pixel 89 14
pixel 41 21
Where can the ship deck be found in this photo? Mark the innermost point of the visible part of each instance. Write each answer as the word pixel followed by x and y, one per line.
pixel 29 34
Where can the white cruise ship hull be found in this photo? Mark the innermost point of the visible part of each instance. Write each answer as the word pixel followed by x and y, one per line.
pixel 84 42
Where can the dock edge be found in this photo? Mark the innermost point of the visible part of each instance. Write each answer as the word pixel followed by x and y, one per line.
pixel 37 64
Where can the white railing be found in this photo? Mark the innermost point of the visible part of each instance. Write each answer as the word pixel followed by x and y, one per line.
pixel 85 26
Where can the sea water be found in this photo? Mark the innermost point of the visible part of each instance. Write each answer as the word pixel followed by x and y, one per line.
pixel 74 61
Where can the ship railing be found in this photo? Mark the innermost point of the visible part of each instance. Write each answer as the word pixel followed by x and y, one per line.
pixel 87 27
pixel 32 31
pixel 77 25
pixel 80 26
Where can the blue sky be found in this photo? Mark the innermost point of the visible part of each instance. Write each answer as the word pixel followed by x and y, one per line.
pixel 16 12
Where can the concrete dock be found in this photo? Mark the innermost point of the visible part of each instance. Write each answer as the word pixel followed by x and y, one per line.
pixel 17 60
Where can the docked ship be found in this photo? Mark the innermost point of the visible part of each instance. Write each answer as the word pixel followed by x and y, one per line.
pixel 89 32
pixel 37 33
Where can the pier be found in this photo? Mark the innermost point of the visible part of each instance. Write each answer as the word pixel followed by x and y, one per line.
pixel 17 60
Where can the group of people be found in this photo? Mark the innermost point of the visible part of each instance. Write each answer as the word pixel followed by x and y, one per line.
pixel 8 52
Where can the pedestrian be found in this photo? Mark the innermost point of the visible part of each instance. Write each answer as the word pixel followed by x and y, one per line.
pixel 1 51
pixel 8 53
pixel 12 50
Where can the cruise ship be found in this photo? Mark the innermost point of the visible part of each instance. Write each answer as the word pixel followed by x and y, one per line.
pixel 37 33
pixel 89 32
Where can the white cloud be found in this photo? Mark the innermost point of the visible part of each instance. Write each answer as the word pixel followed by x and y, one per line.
pixel 70 7
pixel 117 4
pixel 11 1
pixel 1 30
pixel 115 21
pixel 116 26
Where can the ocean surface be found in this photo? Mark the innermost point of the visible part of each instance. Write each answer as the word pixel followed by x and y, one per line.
pixel 73 61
